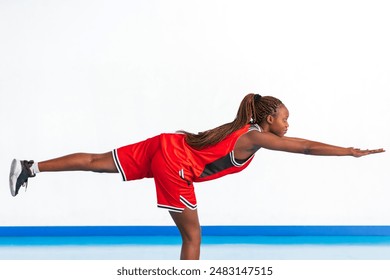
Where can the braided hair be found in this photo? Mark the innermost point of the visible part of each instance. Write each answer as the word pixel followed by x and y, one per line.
pixel 254 108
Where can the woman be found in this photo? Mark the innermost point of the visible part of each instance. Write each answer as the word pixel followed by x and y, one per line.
pixel 177 160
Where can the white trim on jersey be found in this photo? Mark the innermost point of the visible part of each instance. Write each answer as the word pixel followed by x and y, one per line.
pixel 232 159
pixel 237 164
pixel 255 126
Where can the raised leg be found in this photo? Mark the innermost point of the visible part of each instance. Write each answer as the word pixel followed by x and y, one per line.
pixel 189 227
pixel 80 162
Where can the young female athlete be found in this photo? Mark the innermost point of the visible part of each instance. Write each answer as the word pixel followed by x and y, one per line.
pixel 177 160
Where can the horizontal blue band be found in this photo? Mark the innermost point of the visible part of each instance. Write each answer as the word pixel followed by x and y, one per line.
pixel 31 231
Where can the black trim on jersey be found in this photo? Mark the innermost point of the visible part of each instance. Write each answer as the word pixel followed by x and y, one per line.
pixel 118 164
pixel 226 161
pixel 217 166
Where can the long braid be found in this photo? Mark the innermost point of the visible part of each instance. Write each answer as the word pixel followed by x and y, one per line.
pixel 253 109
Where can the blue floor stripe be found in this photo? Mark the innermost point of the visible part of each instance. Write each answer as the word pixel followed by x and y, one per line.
pixel 42 231
pixel 207 240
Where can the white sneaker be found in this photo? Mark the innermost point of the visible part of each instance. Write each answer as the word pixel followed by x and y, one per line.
pixel 19 174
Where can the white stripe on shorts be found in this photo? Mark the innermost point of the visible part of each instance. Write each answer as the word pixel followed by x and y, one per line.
pixel 188 204
pixel 171 208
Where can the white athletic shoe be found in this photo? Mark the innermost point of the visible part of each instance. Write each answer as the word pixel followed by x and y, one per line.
pixel 19 174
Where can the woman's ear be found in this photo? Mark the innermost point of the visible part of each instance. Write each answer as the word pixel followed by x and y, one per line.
pixel 270 119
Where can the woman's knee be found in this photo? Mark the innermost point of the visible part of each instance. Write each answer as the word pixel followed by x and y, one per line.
pixel 188 224
pixel 193 236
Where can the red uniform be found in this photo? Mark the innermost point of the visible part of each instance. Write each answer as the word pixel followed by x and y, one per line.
pixel 175 165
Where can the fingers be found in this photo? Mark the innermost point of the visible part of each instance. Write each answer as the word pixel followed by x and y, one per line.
pixel 376 151
pixel 369 152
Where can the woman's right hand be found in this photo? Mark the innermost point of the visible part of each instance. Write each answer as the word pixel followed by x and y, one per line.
pixel 359 153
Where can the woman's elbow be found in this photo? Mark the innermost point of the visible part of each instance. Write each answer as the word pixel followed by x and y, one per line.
pixel 306 148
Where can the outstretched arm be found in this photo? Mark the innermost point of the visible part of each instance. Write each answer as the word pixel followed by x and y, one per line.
pixel 271 141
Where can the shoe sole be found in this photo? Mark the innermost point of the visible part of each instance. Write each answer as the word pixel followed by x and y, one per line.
pixel 16 169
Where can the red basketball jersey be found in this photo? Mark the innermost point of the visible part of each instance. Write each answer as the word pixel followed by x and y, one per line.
pixel 206 164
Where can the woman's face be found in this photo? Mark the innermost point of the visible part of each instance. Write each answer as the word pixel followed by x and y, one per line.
pixel 279 124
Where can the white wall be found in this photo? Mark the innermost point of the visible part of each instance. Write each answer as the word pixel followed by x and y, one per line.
pixel 94 75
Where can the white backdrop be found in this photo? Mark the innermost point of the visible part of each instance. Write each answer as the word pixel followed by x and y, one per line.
pixel 95 75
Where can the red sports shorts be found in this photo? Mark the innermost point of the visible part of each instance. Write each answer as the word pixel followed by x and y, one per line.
pixel 145 159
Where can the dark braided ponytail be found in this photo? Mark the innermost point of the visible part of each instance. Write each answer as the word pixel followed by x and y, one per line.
pixel 253 109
